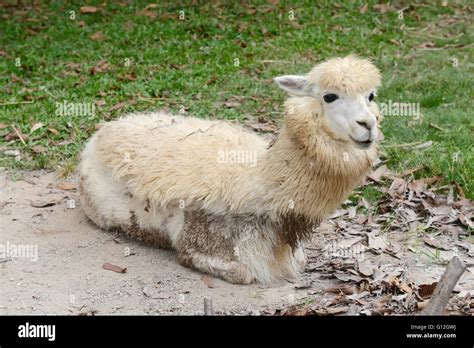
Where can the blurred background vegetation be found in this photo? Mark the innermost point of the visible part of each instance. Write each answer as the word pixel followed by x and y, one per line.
pixel 217 59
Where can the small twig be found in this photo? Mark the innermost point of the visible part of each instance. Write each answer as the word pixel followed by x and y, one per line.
pixel 432 125
pixel 16 103
pixel 274 61
pixel 412 170
pixel 19 134
pixel 198 131
pixel 405 144
pixel 208 307
pixel 423 146
pixel 459 189
pixel 443 290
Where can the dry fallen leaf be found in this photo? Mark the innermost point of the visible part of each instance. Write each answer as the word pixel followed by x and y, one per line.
pixel 231 104
pixel 296 311
pixel 15 135
pixel 412 170
pixel 347 289
pixel 377 174
pixel 366 268
pixel 465 221
pixel 436 243
pixel 382 8
pixel 114 268
pixel 46 202
pixel 89 9
pixel 39 149
pixel 36 126
pixel 427 45
pixel 98 36
pixel 151 6
pixel 13 153
pixel 376 242
pixel 54 131
pixel 63 142
pixel 347 277
pixel 100 67
pixel 267 127
pixel 118 106
pixel 66 186
pixel 211 80
pixel 3 204
pixel 426 290
pixel 148 14
pixel 128 77
pixel 208 281
pixel 100 102
pixel 15 78
pixel 423 146
pixel 330 310
pixel 3 53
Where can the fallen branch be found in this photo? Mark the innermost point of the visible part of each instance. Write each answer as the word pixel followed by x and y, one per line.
pixel 443 290
pixel 208 307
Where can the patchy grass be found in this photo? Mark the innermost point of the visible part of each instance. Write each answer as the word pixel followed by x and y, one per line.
pixel 231 52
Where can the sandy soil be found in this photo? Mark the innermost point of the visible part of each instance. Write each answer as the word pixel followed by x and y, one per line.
pixel 68 275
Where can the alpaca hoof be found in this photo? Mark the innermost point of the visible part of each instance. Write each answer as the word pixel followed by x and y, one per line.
pixel 238 273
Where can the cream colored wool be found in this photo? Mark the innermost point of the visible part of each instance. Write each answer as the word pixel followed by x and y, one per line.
pixel 162 179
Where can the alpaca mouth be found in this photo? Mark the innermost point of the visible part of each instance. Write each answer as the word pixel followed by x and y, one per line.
pixel 363 144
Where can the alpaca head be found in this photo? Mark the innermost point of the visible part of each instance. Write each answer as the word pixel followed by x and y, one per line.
pixel 344 89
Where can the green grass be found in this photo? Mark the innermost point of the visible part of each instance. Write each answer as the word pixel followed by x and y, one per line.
pixel 173 61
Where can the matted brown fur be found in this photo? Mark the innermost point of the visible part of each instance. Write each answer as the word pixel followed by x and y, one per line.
pixel 296 229
pixel 152 236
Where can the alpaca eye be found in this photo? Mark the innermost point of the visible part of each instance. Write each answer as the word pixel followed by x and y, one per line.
pixel 371 96
pixel 329 98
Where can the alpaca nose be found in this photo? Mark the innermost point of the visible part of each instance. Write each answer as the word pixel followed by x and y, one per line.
pixel 364 124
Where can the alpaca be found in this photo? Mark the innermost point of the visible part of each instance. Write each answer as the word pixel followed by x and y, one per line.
pixel 182 183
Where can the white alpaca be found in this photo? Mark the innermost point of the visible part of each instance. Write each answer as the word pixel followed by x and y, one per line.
pixel 183 183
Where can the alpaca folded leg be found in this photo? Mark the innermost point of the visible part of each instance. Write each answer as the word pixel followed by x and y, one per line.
pixel 231 271
pixel 300 258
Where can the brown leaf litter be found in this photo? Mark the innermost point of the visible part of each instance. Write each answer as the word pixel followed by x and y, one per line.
pixel 369 254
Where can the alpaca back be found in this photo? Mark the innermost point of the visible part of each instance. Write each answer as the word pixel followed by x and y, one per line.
pixel 179 160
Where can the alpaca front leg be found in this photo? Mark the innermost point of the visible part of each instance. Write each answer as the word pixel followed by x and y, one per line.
pixel 231 271
pixel 300 257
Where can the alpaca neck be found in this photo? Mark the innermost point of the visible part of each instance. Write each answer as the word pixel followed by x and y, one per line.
pixel 310 182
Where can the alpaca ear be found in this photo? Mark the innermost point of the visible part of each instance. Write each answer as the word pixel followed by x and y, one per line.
pixel 294 84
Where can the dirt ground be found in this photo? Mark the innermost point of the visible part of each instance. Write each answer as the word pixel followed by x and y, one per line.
pixel 66 275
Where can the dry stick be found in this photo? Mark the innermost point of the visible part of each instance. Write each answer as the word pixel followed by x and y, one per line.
pixel 412 170
pixel 198 131
pixel 405 144
pixel 443 290
pixel 208 307
pixel 19 134
pixel 16 103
